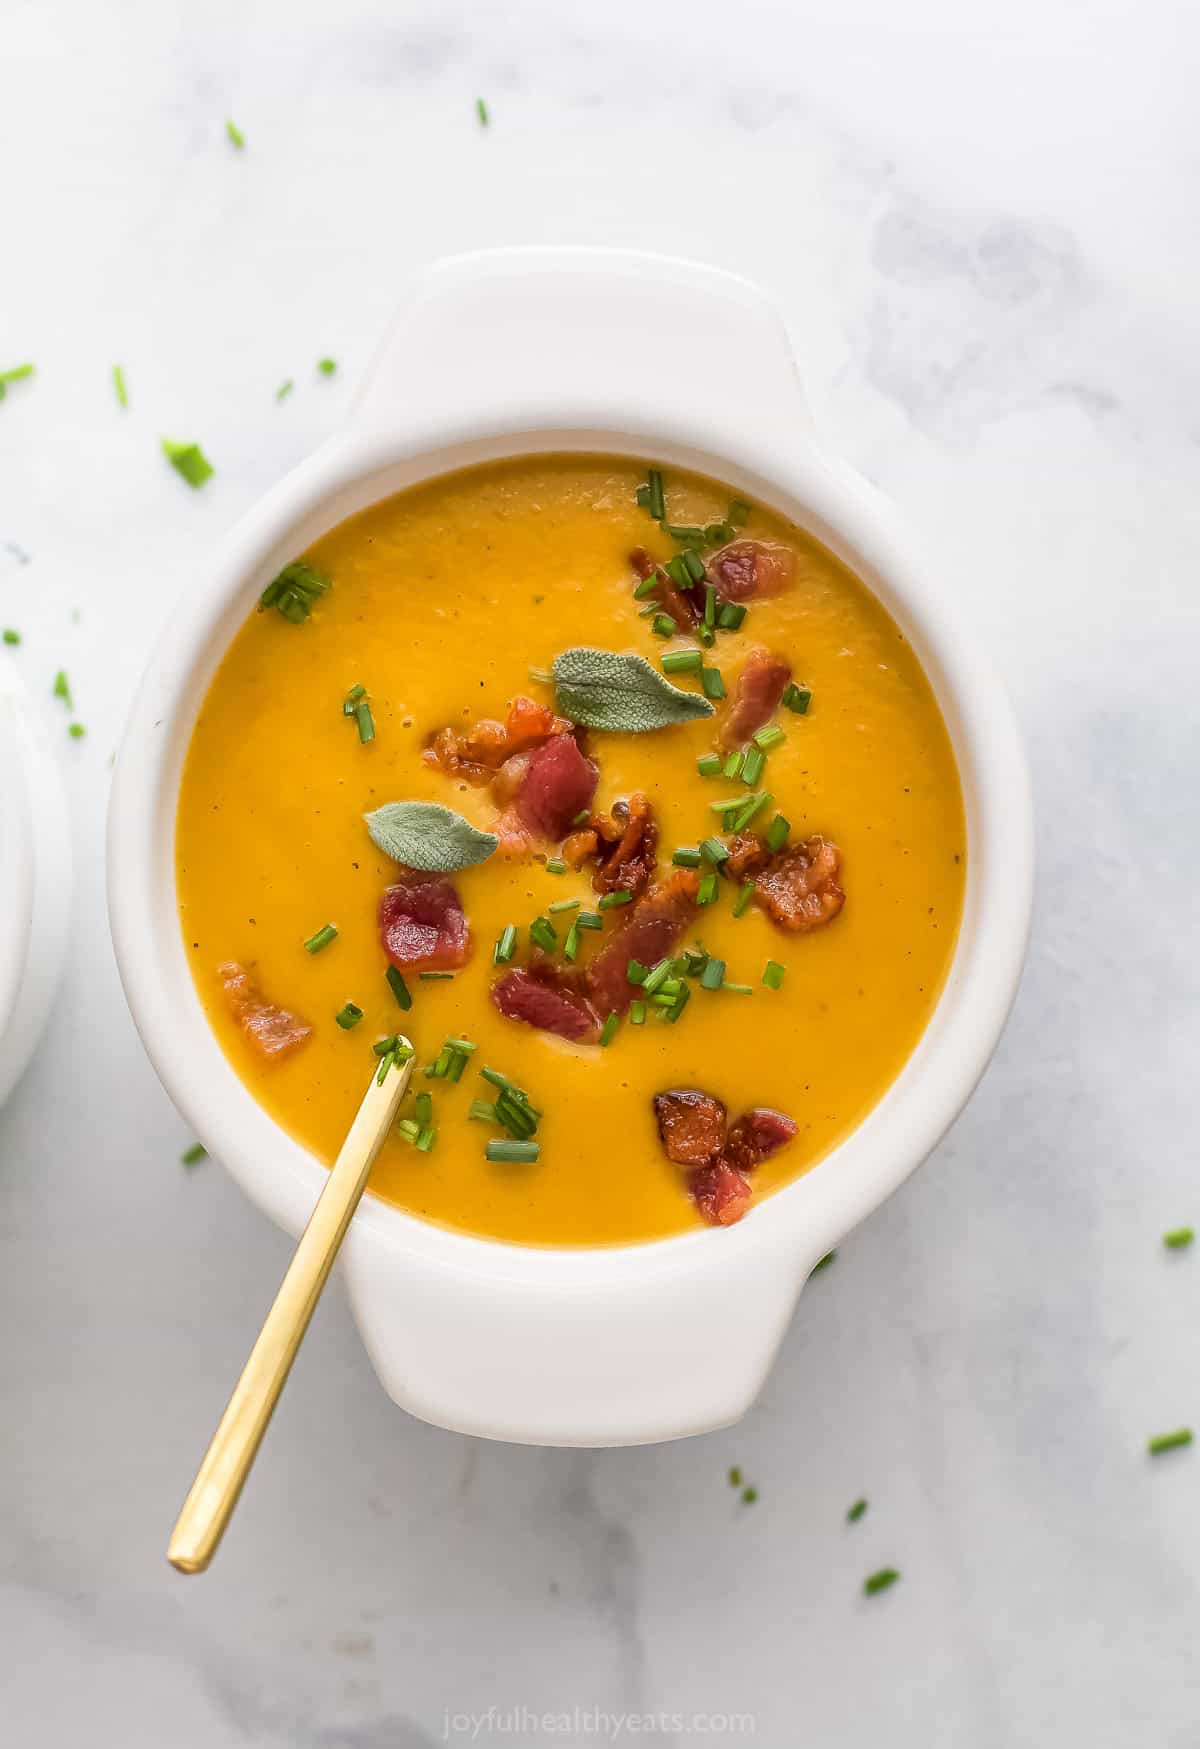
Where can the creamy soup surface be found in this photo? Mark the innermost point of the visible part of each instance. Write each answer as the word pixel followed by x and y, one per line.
pixel 446 603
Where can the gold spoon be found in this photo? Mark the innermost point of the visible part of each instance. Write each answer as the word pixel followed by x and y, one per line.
pixel 219 1480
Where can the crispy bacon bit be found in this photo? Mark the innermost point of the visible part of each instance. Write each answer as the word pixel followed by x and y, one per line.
pixel 748 569
pixel 799 888
pixel 755 1136
pixel 626 841
pixel 489 744
pixel 541 996
pixel 760 686
pixel 641 563
pixel 422 923
pixel 653 927
pixel 579 846
pixel 681 604
pixel 747 855
pixel 272 1032
pixel 691 1125
pixel 558 785
pixel 719 1192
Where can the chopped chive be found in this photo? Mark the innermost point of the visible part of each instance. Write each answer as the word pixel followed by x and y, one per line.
pixel 714 851
pixel 189 461
pixel 773 974
pixel 323 937
pixel 637 1013
pixel 582 817
pixel 512 1153
pixel 440 1067
pixel 678 572
pixel 1178 1238
pixel 713 975
pixel 694 962
pixel 571 944
pixel 708 890
pixel 710 603
pixel 351 699
pixel 664 998
pixel 680 1003
pixel 435 977
pixel 191 1155
pixel 543 934
pixel 797 698
pixel 11 637
pixel 656 978
pixel 771 736
pixel 713 682
pixel 730 804
pixel 456 1065
pixel 294 592
pixel 777 833
pixel 609 1030
pixel 481 1111
pixel 408 1128
pixel 681 661
pixel 590 920
pixel 348 1016
pixel 752 766
pixel 647 586
pixel 707 636
pixel 855 1512
pixel 717 533
pixel 760 799
pixel 235 136
pixel 662 625
pixel 636 972
pixel 749 1496
pixel 642 497
pixel 733 765
pixel 327 366
pixel 481 110
pixel 739 513
pixel 365 721
pixel 708 764
pixel 686 857
pixel 564 905
pixel 506 945
pixel 610 900
pixel 880 1581
pixel 424 1109
pixel 555 865
pixel 822 1263
pixel 735 1477
pixel 731 615
pixel 119 389
pixel 465 1046
pixel 686 535
pixel 693 564
pixel 542 675
pixel 657 505
pixel 1169 1441
pixel 743 899
pixel 426 1140
pixel 76 731
pixel 739 989
pixel 284 390
pixel 399 988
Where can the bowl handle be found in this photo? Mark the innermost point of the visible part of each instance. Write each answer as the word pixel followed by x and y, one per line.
pixel 576 1348
pixel 544 338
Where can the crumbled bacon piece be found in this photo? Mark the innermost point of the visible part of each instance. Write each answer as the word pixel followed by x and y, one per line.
pixel 755 1136
pixel 719 1192
pixel 557 786
pixel 799 888
pixel 748 569
pixel 542 996
pixel 489 744
pixel 579 846
pixel 422 923
pixel 747 855
pixel 681 604
pixel 272 1032
pixel 691 1125
pixel 642 563
pixel 626 841
pixel 761 684
pixel 655 923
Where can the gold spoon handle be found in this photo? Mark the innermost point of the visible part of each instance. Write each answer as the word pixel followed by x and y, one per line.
pixel 221 1475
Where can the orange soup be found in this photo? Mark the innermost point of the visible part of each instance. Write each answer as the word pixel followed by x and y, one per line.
pixel 623 800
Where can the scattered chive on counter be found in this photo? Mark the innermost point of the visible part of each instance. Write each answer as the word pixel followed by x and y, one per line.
pixel 322 938
pixel 1178 1239
pixel 11 637
pixel 399 988
pixel 876 1582
pixel 348 1016
pixel 76 731
pixel 61 689
pixel 481 111
pixel 14 374
pixel 119 389
pixel 735 1477
pixel 191 1155
pixel 284 389
pixel 189 461
pixel 327 366
pixel 855 1512
pixel 749 1496
pixel 235 136
pixel 1169 1441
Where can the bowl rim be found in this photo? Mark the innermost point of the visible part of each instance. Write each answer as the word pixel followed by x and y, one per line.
pixel 823 496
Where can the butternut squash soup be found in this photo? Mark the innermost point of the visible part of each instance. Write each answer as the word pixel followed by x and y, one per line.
pixel 622 799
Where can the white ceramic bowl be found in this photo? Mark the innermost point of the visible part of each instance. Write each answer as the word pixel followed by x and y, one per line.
pixel 35 879
pixel 511 353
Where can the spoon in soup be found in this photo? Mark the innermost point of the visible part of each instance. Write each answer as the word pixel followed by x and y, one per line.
pixel 226 1464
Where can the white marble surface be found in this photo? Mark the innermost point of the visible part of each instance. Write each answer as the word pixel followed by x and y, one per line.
pixel 980 221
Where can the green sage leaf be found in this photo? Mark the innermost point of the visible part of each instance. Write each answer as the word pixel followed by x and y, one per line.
pixel 603 690
pixel 427 836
